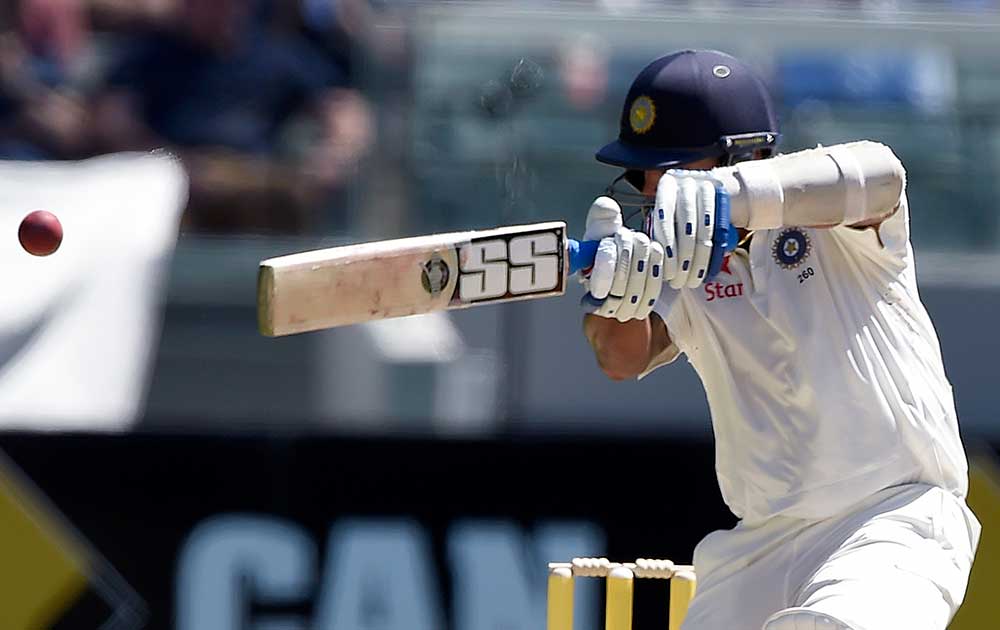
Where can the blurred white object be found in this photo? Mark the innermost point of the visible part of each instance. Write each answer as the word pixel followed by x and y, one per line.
pixel 401 374
pixel 467 396
pixel 78 328
pixel 425 338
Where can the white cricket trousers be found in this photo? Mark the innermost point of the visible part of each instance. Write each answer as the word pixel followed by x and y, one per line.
pixel 900 560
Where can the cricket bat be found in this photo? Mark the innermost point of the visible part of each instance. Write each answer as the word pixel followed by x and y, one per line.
pixel 371 281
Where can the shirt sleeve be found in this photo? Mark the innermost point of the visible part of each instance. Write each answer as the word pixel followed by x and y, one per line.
pixel 672 310
pixel 886 245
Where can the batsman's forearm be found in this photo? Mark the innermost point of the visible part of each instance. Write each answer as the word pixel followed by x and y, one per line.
pixel 845 184
pixel 622 348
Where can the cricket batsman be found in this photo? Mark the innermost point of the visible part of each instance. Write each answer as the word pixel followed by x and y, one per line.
pixel 837 443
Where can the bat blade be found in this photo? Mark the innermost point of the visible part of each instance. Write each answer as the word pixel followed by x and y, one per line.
pixel 371 281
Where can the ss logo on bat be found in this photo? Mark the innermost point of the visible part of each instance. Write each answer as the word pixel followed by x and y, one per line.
pixel 512 266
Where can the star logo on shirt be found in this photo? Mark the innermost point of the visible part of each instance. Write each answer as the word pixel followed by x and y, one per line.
pixel 725 265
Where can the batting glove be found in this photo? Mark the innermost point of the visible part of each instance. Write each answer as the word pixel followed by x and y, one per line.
pixel 684 221
pixel 626 278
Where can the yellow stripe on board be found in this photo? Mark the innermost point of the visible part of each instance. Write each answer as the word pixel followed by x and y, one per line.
pixel 42 570
pixel 981 610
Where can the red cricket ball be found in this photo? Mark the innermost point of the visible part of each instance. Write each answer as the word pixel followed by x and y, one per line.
pixel 40 233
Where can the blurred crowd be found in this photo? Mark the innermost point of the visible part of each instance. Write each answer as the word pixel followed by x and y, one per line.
pixel 267 102
pixel 261 99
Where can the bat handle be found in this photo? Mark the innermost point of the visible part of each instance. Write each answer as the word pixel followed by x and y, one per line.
pixel 581 254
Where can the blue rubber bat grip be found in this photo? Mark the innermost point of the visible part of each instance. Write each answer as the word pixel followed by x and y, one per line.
pixel 726 236
pixel 581 254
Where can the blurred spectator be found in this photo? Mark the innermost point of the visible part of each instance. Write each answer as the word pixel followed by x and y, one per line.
pixel 374 36
pixel 346 29
pixel 44 62
pixel 583 72
pixel 265 124
pixel 127 15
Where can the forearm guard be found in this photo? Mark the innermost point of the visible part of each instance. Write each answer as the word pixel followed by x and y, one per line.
pixel 846 184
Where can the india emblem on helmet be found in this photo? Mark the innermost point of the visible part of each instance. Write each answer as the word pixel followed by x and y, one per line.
pixel 642 115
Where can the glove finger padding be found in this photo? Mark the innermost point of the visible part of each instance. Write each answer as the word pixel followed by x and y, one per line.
pixel 626 277
pixel 703 233
pixel 684 222
pixel 664 230
pixel 684 219
pixel 654 281
pixel 609 307
pixel 637 272
pixel 602 274
pixel 624 240
pixel 621 244
pixel 603 219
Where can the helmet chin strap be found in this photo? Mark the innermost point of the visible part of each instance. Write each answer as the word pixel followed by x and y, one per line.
pixel 626 194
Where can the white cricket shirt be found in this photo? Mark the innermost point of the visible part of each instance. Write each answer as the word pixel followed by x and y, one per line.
pixel 822 369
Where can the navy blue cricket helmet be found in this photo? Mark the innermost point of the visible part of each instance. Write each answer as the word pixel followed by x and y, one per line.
pixel 691 105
